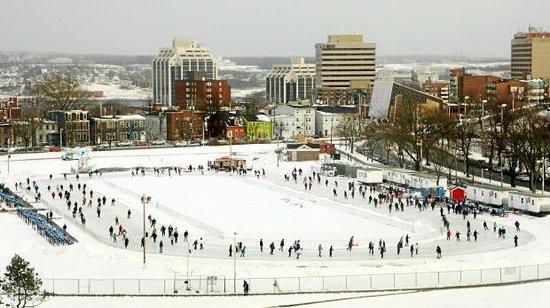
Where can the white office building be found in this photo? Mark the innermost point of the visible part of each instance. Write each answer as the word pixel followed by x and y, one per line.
pixel 290 82
pixel 186 55
pixel 344 63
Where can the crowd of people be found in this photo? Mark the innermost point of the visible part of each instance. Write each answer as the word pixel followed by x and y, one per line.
pixel 81 201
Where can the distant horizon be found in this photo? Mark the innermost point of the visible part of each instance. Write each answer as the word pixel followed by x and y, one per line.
pixel 268 28
pixel 246 56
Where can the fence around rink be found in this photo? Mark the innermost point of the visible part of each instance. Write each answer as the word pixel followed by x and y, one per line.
pixel 212 285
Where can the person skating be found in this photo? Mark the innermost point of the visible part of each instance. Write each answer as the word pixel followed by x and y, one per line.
pixel 320 250
pixel 271 248
pixel 161 246
pixel 261 245
pixel 350 244
pixel 282 244
pixel 516 240
pixel 243 251
pixel 245 287
pixel 517 225
pixel 126 241
pixel 128 214
pixel 330 251
pixel 195 243
pixel 438 252
pixel 475 235
pixel 412 250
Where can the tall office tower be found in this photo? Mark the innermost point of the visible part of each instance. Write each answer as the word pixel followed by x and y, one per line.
pixel 531 54
pixel 344 65
pixel 290 82
pixel 186 55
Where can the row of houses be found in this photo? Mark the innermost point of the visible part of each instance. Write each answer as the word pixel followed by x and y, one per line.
pixel 294 121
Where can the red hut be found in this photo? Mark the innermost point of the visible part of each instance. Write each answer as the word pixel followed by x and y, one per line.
pixel 457 193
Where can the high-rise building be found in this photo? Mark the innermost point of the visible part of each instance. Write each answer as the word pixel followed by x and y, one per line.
pixel 290 82
pixel 343 64
pixel 531 54
pixel 186 55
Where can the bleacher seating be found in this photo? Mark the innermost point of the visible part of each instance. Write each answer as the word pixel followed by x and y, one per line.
pixel 45 227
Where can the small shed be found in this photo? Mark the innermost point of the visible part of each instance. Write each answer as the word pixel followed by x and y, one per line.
pixel 529 202
pixel 488 194
pixel 302 152
pixel 457 193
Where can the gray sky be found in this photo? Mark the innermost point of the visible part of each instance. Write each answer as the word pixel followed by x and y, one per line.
pixel 268 28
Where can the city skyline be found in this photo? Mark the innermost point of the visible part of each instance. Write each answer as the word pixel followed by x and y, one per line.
pixel 464 27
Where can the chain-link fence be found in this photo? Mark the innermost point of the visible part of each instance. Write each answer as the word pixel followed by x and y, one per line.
pixel 366 282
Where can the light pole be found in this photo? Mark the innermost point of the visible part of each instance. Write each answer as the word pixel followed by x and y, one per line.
pixel 466 98
pixel 501 136
pixel 144 200
pixel 60 138
pixel 483 102
pixel 234 262
pixel 188 252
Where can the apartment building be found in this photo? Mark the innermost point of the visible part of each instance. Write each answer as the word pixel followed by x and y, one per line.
pixel 186 55
pixel 290 82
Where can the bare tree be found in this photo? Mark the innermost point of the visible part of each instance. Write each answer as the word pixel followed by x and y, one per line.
pixel 60 92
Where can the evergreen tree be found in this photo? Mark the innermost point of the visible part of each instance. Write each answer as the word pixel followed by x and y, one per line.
pixel 21 284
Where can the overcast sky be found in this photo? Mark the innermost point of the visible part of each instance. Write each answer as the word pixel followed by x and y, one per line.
pixel 267 28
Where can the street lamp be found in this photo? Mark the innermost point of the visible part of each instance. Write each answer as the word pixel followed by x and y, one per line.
pixel 483 102
pixel 234 262
pixel 466 98
pixel 61 138
pixel 501 136
pixel 144 200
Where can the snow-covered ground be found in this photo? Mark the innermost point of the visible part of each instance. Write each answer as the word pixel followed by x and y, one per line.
pixel 113 91
pixel 265 207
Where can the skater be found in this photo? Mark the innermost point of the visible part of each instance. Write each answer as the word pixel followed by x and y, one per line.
pixel 271 248
pixel 262 244
pixel 161 246
pixel 320 250
pixel 517 225
pixel 230 250
pixel 412 250
pixel 438 252
pixel 330 250
pixel 243 251
pixel 129 213
pixel 282 245
pixel 350 244
pixel 126 241
pixel 516 240
pixel 245 287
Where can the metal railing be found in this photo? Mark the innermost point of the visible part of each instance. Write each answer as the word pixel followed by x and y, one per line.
pixel 304 284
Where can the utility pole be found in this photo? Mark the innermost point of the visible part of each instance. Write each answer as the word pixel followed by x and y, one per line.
pixel 144 200
pixel 501 136
pixel 234 262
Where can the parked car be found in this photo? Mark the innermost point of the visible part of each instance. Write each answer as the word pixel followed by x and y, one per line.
pixel 124 144
pixel 158 142
pixel 180 144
